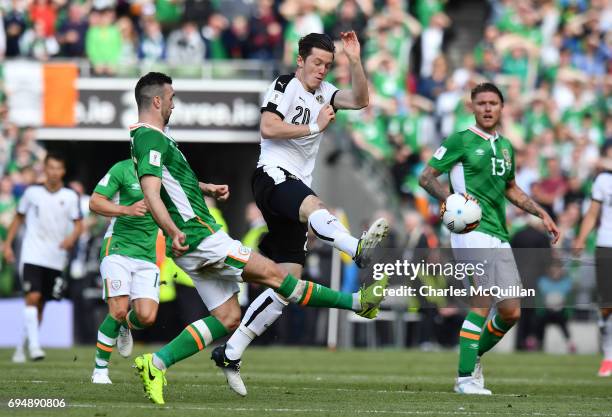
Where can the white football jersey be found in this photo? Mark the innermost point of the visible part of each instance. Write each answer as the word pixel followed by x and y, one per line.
pixel 49 219
pixel 288 98
pixel 602 192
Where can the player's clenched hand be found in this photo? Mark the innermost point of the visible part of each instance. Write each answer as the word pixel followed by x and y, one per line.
pixel 219 192
pixel 139 209
pixel 326 116
pixel 550 225
pixel 178 244
pixel 8 253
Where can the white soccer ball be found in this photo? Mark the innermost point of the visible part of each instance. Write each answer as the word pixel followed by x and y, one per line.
pixel 461 214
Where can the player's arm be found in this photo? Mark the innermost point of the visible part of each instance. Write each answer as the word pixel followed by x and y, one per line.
pixel 218 192
pixel 72 238
pixel 14 227
pixel 518 197
pixel 587 225
pixel 151 186
pixel 103 206
pixel 357 97
pixel 443 160
pixel 429 181
pixel 272 126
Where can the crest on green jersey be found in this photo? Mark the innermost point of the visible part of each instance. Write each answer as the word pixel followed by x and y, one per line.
pixel 507 158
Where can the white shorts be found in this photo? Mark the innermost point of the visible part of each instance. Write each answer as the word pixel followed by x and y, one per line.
pixel 216 267
pixel 495 256
pixel 122 275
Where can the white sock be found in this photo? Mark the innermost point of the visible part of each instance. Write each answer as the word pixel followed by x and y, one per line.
pixel 328 229
pixel 606 338
pixel 158 363
pixel 356 302
pixel 30 314
pixel 260 315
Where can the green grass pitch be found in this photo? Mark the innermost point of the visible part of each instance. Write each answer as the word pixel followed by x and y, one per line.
pixel 314 382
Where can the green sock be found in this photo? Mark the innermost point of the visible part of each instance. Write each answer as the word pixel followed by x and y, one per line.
pixel 190 341
pixel 493 332
pixel 314 295
pixel 469 337
pixel 107 335
pixel 132 320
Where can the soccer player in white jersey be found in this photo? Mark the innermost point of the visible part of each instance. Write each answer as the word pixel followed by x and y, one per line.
pixel 214 261
pixel 52 216
pixel 480 164
pixel 296 111
pixel 601 208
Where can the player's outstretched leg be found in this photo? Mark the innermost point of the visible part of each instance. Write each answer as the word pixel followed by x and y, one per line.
pixel 268 306
pixel 152 367
pixel 330 230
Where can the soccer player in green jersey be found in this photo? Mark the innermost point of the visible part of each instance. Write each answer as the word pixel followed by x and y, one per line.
pixel 127 264
pixel 214 261
pixel 480 163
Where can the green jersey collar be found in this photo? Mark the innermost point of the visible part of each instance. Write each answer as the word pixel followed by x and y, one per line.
pixel 482 133
pixel 163 132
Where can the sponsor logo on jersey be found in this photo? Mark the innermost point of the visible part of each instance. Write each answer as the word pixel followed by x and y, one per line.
pixel 302 99
pixel 320 99
pixel 480 152
pixel 115 284
pixel 439 152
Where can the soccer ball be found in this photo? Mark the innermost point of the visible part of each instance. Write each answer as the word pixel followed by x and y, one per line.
pixel 460 214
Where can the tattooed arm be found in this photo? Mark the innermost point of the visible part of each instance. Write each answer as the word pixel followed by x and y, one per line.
pixel 523 201
pixel 429 181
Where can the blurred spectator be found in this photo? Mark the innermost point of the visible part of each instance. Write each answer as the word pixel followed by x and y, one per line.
pixel 103 43
pixel 432 86
pixel 554 289
pixel 129 43
pixel 302 18
pixel 265 31
pixel 236 39
pixel 153 45
pixel 15 23
pixel 35 43
pixel 549 191
pixel 212 33
pixel 72 32
pixel 185 46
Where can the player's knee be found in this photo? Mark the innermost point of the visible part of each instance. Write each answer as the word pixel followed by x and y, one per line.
pixel 119 314
pixel 230 320
pixel 147 319
pixel 510 316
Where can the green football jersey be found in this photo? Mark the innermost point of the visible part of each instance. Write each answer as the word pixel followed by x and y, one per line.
pixel 481 165
pixel 157 154
pixel 131 236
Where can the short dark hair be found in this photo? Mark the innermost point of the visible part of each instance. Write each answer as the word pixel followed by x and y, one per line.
pixel 56 156
pixel 486 88
pixel 315 40
pixel 149 86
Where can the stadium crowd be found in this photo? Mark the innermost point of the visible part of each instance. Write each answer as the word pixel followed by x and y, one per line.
pixel 550 57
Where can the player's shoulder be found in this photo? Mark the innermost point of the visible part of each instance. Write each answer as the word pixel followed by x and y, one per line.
pixel 69 193
pixel 604 177
pixel 122 166
pixel 284 81
pixel 33 189
pixel 143 130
